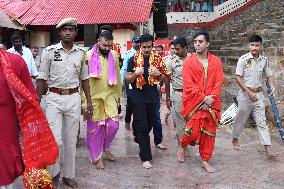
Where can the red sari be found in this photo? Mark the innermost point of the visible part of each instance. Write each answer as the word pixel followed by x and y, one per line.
pixel 19 106
pixel 201 127
pixel 11 164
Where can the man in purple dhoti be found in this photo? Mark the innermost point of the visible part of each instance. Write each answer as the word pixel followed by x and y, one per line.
pixel 105 89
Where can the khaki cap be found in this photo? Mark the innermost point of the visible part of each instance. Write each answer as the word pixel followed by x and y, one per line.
pixel 67 21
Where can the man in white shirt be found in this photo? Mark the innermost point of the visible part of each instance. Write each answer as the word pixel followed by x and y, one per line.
pixel 25 52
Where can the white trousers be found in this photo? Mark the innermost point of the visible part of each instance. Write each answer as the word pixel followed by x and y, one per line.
pixel 245 108
pixel 63 114
pixel 177 115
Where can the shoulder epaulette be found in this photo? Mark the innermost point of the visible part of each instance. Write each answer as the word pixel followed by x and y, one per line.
pixel 245 56
pixel 50 47
pixel 173 56
pixel 82 48
pixel 264 57
pixel 176 58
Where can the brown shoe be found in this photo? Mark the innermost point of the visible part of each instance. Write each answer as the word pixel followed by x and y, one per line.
pixel 55 180
pixel 70 182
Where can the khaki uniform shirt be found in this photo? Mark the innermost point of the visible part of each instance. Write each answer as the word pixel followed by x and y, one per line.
pixel 63 69
pixel 175 66
pixel 251 70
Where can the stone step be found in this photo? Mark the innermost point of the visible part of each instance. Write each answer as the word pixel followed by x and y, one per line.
pixel 271 35
pixel 217 42
pixel 269 51
pixel 273 43
pixel 239 39
pixel 216 46
pixel 228 80
pixel 235 46
pixel 232 60
pixel 273 51
pixel 229 52
pixel 280 28
pixel 272 24
pixel 242 42
pixel 262 31
pixel 229 70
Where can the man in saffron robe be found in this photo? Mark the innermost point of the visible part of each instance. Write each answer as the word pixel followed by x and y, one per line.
pixel 201 103
pixel 105 90
pixel 145 70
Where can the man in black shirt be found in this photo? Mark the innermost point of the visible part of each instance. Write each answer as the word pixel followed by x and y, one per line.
pixel 144 71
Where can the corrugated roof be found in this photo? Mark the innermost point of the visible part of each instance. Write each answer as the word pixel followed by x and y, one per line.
pixel 50 12
pixel 7 22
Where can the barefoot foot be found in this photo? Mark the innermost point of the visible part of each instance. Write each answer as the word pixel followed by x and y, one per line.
pixel 99 164
pixel 147 165
pixel 161 146
pixel 181 154
pixel 109 155
pixel 270 154
pixel 208 167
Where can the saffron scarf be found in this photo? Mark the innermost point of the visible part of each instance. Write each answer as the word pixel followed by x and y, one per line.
pixel 95 68
pixel 155 60
pixel 39 145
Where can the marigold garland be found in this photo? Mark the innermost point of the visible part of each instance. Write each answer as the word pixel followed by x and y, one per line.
pixel 154 60
pixel 37 179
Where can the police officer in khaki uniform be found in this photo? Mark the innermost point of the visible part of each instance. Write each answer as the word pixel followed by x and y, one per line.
pixel 175 66
pixel 249 73
pixel 168 59
pixel 64 67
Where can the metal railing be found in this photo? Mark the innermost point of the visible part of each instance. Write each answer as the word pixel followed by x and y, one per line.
pixel 221 10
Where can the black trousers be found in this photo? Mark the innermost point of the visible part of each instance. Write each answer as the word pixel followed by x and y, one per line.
pixel 143 121
pixel 128 112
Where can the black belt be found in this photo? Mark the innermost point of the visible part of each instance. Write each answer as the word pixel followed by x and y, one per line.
pixel 179 90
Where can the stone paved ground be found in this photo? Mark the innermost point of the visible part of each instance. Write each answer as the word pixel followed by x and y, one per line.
pixel 249 169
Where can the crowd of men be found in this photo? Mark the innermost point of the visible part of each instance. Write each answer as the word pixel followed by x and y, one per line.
pixel 193 84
